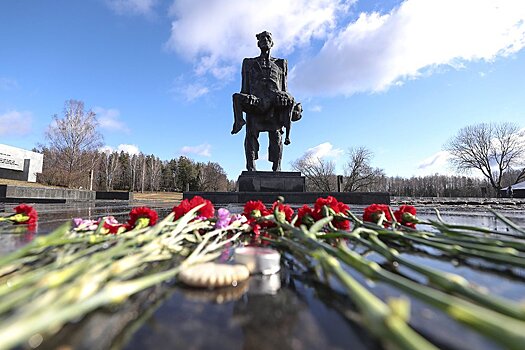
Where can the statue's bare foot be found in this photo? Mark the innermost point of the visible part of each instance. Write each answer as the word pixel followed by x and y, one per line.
pixel 237 127
pixel 287 141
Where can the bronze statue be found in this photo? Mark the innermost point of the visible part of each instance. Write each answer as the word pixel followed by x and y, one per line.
pixel 268 105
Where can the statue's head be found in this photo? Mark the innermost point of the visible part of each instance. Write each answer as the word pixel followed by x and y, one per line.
pixel 297 112
pixel 264 40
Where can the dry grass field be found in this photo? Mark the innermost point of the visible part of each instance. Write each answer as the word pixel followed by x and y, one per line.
pixel 23 183
pixel 158 196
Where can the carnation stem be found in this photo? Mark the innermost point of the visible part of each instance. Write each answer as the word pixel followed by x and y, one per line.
pixel 378 317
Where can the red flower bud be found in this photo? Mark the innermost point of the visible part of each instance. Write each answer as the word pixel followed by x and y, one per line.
pixel 142 213
pixel 25 214
pixel 406 215
pixel 374 213
pixel 255 209
pixel 207 211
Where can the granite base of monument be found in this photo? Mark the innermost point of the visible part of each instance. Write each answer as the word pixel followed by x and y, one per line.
pixel 271 181
pixel 266 186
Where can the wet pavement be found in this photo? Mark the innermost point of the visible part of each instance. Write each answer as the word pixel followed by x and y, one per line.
pixel 288 310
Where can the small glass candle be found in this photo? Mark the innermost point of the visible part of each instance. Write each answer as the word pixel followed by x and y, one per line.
pixel 266 261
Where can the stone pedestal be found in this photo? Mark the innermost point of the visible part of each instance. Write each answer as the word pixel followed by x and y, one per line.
pixel 267 186
pixel 270 181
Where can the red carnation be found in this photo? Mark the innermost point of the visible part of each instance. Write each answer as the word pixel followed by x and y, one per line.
pixel 334 207
pixel 207 211
pixel 142 213
pixel 406 215
pixel 328 201
pixel 255 209
pixel 29 214
pixel 305 216
pixel 340 223
pixel 182 208
pixel 114 228
pixel 374 212
pixel 283 208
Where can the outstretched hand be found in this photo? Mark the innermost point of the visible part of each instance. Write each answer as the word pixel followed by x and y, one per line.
pixel 251 100
pixel 283 99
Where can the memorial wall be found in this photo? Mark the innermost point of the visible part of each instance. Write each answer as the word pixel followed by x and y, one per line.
pixel 19 164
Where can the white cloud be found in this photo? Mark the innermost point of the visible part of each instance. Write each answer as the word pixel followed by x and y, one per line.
pixel 130 149
pixel 437 163
pixel 193 91
pixel 8 84
pixel 132 7
pixel 110 119
pixel 200 150
pixel 316 109
pixel 126 148
pixel 217 34
pixel 106 149
pixel 14 123
pixel 324 150
pixel 380 50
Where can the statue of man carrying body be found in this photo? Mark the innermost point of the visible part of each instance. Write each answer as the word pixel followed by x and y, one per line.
pixel 268 105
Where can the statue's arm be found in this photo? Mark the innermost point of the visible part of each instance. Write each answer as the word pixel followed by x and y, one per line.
pixel 245 86
pixel 285 75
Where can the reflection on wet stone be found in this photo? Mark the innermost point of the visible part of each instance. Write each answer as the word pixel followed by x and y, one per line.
pixel 264 284
pixel 258 315
pixel 217 295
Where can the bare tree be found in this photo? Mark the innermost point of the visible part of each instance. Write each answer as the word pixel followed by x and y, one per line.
pixel 492 149
pixel 133 168
pixel 72 138
pixel 319 173
pixel 520 177
pixel 50 175
pixel 359 174
pixel 155 172
pixel 435 186
pixel 212 177
pixel 110 167
pixel 143 176
pixel 232 185
pixel 94 157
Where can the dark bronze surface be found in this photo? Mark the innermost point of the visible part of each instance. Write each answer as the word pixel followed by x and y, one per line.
pixel 268 105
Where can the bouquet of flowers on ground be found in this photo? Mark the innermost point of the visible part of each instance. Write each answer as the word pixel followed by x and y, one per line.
pixel 24 215
pixel 101 262
pixel 139 217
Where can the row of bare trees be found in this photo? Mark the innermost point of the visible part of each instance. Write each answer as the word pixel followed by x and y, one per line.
pixel 436 186
pixel 496 152
pixel 131 172
pixel 73 158
pixel 359 175
pixel 137 172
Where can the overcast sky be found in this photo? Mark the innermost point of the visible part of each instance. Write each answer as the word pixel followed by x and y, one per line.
pixel 399 77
